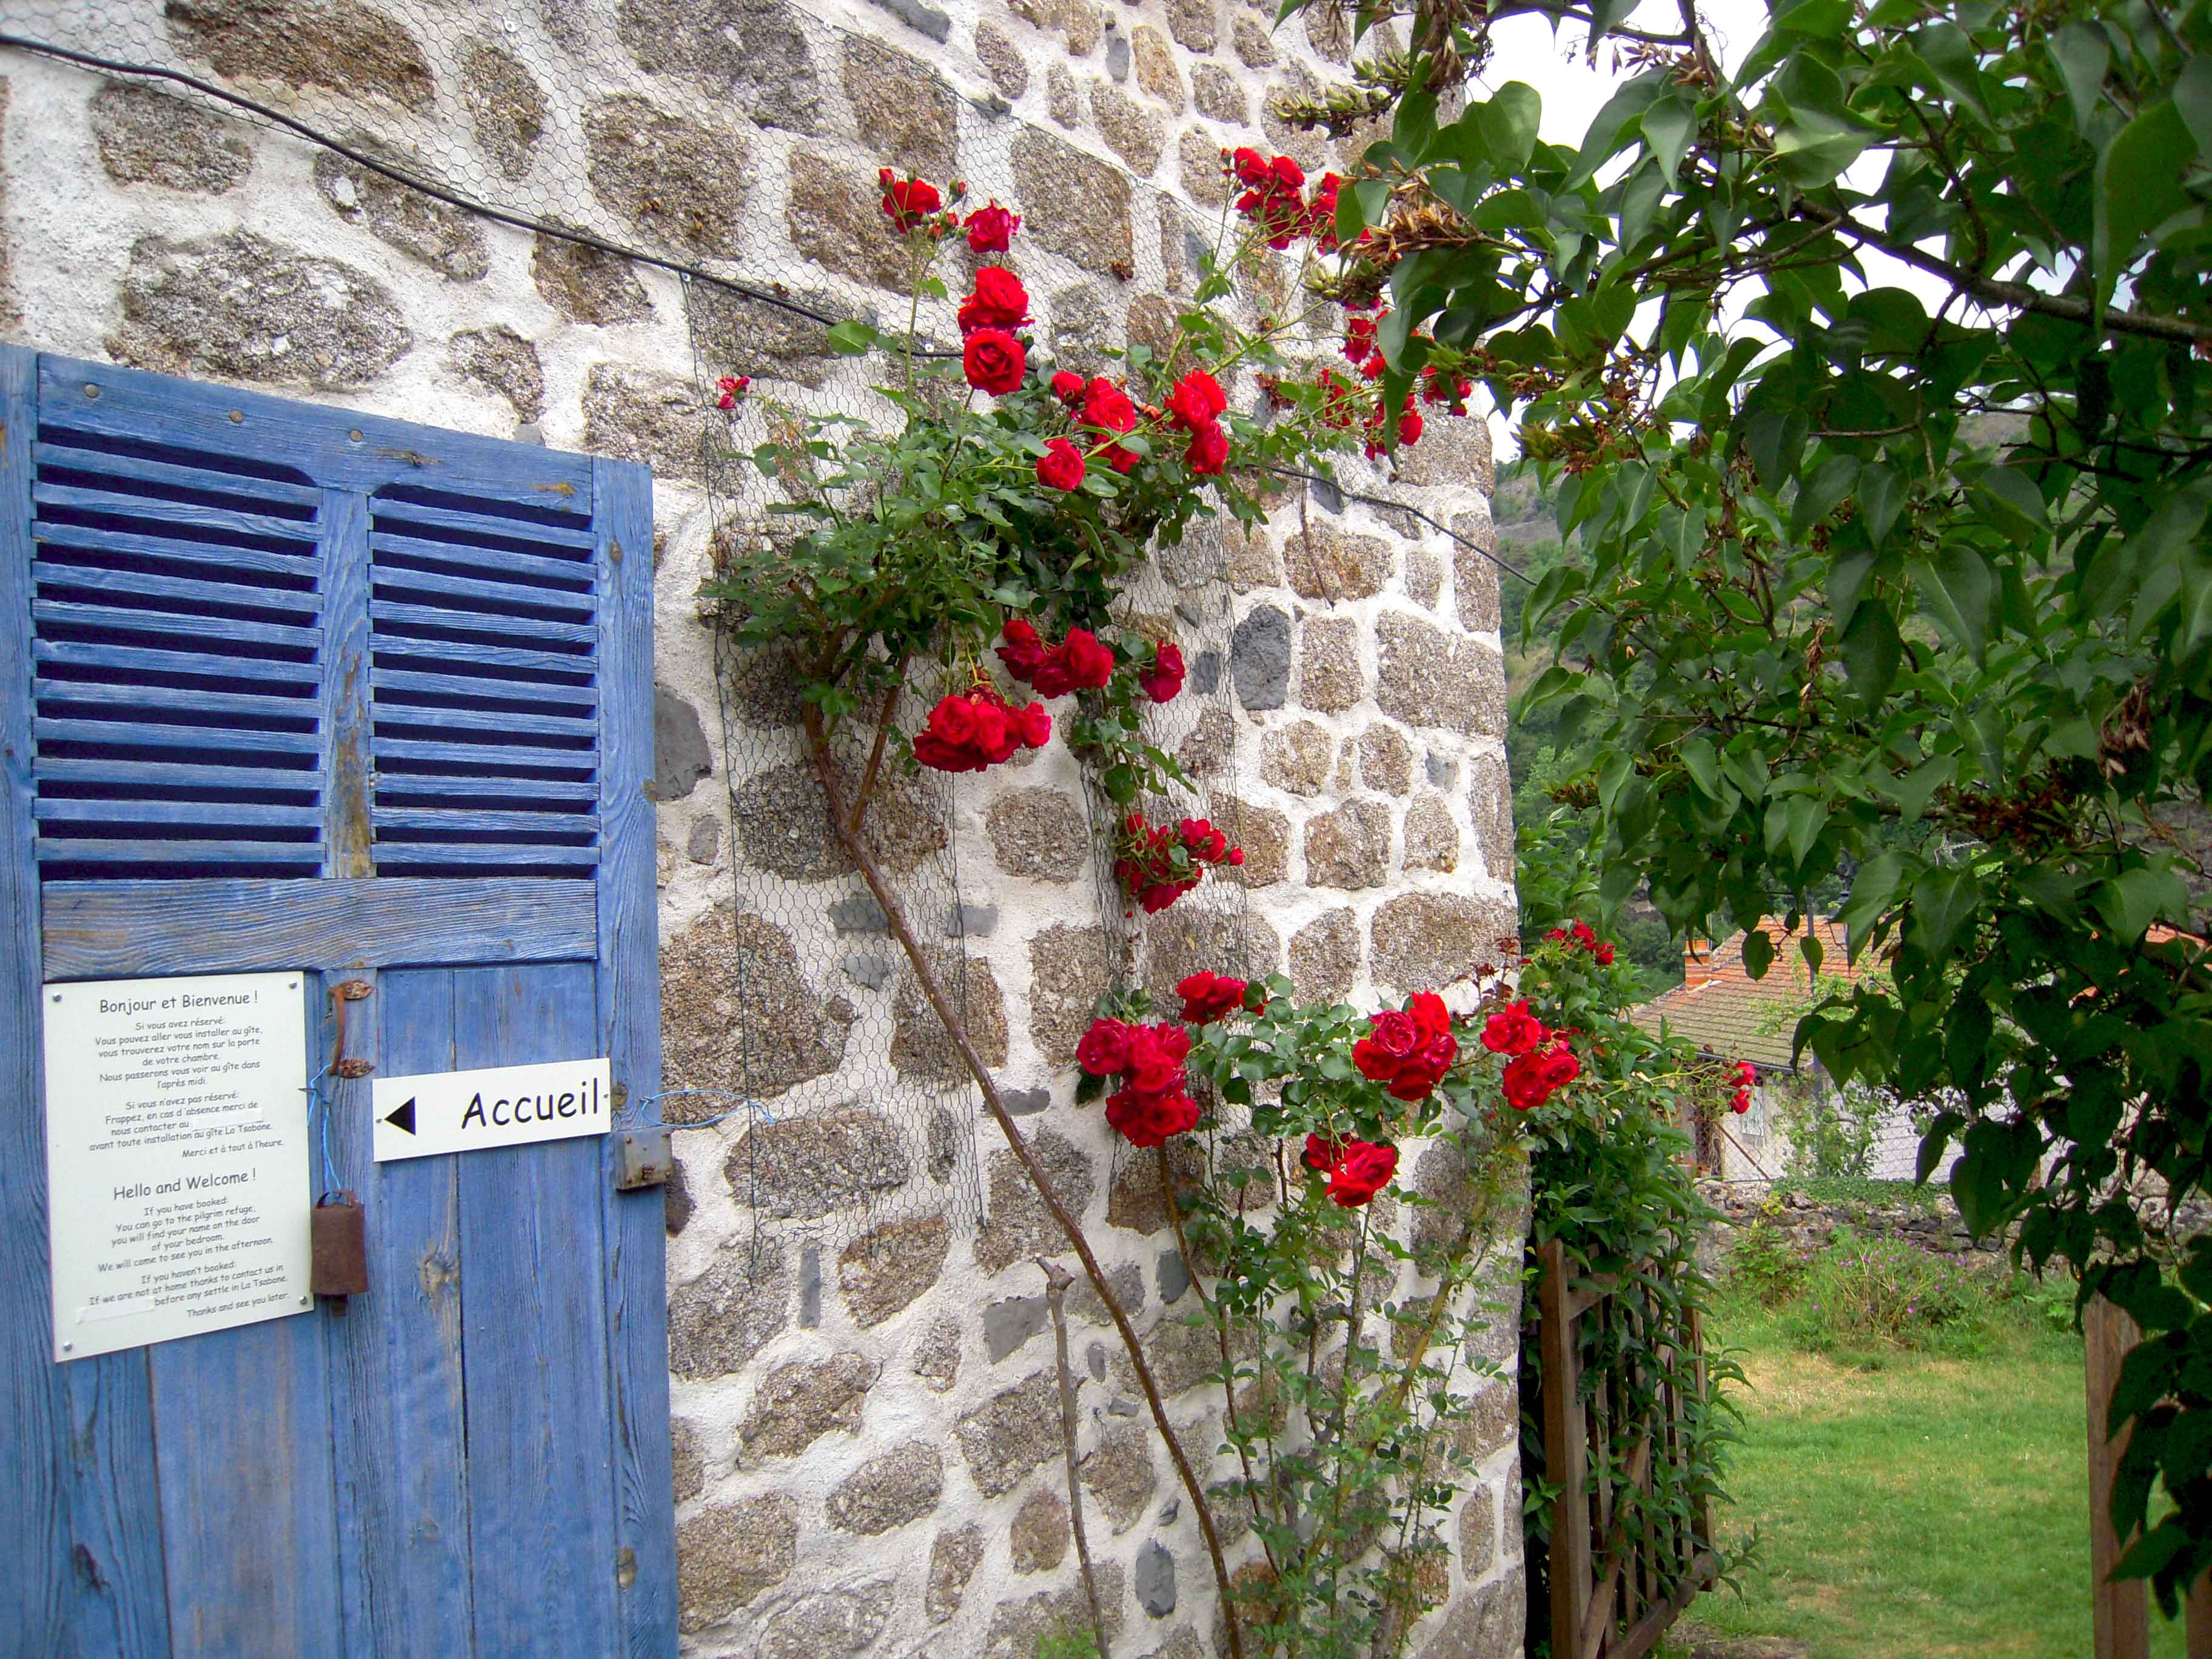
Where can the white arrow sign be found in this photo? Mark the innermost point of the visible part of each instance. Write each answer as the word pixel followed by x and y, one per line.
pixel 501 1106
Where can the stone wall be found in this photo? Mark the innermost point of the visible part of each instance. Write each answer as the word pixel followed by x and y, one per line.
pixel 868 1452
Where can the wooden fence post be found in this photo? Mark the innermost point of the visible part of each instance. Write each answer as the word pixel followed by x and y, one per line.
pixel 1566 1449
pixel 2119 1614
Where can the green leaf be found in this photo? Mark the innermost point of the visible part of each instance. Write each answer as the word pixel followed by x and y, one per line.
pixel 1704 766
pixel 1881 496
pixel 1912 792
pixel 1758 952
pixel 1943 901
pixel 1871 889
pixel 1806 815
pixel 851 337
pixel 1872 651
pixel 2193 96
pixel 1669 126
pixel 2083 55
pixel 1610 129
pixel 1508 120
pixel 1957 587
pixel 1825 19
pixel 2131 901
pixel 2140 185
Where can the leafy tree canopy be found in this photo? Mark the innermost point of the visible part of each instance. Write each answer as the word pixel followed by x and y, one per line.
pixel 1870 375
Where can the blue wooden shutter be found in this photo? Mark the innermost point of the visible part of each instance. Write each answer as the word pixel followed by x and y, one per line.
pixel 282 686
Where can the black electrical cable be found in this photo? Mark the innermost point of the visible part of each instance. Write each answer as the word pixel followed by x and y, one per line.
pixel 400 176
pixel 1401 506
pixel 585 239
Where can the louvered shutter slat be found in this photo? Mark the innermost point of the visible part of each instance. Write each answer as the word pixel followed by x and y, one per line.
pixel 70 657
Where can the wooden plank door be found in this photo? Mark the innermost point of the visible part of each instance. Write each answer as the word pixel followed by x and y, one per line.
pixel 287 688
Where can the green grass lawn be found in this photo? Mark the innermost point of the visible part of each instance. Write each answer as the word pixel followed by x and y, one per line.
pixel 1929 1507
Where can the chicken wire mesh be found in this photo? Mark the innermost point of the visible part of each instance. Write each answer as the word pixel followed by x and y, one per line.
pixel 735 142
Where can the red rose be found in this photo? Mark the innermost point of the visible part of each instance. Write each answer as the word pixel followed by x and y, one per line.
pixel 1164 679
pixel 1157 898
pixel 1359 337
pixel 1208 453
pixel 1090 664
pixel 1106 407
pixel 1745 1073
pixel 1207 996
pixel 1363 1170
pixel 1513 1031
pixel 1034 721
pixel 953 720
pixel 1394 1033
pixel 1023 652
pixel 1524 1084
pixel 1287 172
pixel 993 360
pixel 1603 955
pixel 908 201
pixel 1148 1119
pixel 991 228
pixel 996 738
pixel 1741 1103
pixel 1104 1049
pixel 1067 387
pixel 943 756
pixel 1409 427
pixel 1061 466
pixel 1559 1067
pixel 1196 400
pixel 1321 1154
pixel 999 301
pixel 1429 1013
pixel 1236 855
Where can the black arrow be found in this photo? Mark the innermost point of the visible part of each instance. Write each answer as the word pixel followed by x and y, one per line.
pixel 403 1117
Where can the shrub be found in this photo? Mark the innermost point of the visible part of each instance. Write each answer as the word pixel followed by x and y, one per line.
pixel 1765 1264
pixel 1884 1291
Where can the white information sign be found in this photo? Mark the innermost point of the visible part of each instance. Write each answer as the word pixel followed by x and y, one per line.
pixel 177 1180
pixel 500 1106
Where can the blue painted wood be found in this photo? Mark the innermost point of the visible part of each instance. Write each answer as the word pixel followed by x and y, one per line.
pixel 483 755
pixel 107 929
pixel 477 1458
pixel 528 629
pixel 308 443
pixel 533 1316
pixel 409 786
pixel 176 811
pixel 507 658
pixel 248 1492
pixel 581 701
pixel 76 1447
pixel 534 568
pixel 141 659
pixel 527 603
pixel 629 1013
pixel 396 853
pixel 149 777
pixel 348 763
pixel 182 596
pixel 102 849
pixel 184 738
pixel 53 456
pixel 581 544
pixel 495 724
pixel 298 642
pixel 452 817
pixel 248 562
pixel 396 1355
pixel 155 699
pixel 260 526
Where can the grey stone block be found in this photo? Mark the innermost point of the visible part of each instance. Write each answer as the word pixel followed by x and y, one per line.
pixel 1156 1580
pixel 1009 1323
pixel 1259 658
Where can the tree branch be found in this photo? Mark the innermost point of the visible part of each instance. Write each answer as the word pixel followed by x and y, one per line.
pixel 2016 296
pixel 825 770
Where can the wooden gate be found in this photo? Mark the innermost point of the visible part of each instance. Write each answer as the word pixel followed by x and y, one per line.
pixel 1618 1577
pixel 287 688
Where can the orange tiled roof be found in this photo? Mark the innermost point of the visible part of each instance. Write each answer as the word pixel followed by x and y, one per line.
pixel 1736 1016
